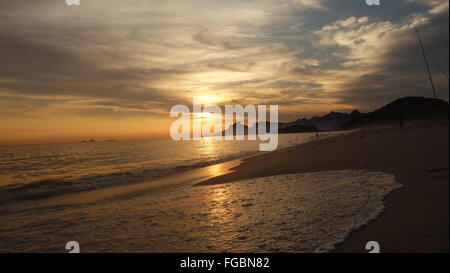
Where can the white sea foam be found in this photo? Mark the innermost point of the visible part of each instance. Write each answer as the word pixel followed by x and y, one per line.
pixel 308 212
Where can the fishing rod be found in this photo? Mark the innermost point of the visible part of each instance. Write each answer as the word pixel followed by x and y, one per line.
pixel 426 62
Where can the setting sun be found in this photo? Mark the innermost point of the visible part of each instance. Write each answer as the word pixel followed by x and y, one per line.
pixel 205 115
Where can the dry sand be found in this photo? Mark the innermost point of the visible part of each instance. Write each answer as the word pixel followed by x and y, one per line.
pixel 416 218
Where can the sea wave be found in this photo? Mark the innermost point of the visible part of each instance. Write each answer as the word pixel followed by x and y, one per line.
pixel 44 188
pixel 304 212
pixel 34 172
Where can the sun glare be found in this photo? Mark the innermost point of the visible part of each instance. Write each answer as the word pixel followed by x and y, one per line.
pixel 205 115
pixel 209 99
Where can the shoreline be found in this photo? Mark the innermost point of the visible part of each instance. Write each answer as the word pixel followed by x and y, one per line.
pixel 35 188
pixel 416 216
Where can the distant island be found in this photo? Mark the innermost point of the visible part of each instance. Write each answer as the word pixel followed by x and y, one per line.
pixel 87 141
pixel 93 141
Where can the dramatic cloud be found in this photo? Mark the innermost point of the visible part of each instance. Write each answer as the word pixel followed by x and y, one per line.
pixel 133 59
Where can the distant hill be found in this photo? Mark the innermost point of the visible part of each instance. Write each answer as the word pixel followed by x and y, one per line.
pixel 282 128
pixel 286 128
pixel 407 109
pixel 298 128
pixel 329 122
pixel 232 130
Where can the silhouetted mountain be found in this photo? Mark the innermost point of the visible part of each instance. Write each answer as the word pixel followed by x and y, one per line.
pixel 258 125
pixel 287 128
pixel 329 122
pixel 298 128
pixel 282 128
pixel 355 113
pixel 232 130
pixel 407 109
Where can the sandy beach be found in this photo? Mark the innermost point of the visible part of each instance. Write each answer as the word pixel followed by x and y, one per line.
pixel 416 218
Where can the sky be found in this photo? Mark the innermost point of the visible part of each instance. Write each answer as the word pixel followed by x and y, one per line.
pixel 112 69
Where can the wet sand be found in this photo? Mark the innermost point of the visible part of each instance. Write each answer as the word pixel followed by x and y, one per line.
pixel 416 218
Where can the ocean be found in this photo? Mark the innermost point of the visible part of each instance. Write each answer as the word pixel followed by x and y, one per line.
pixel 53 194
pixel 33 171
